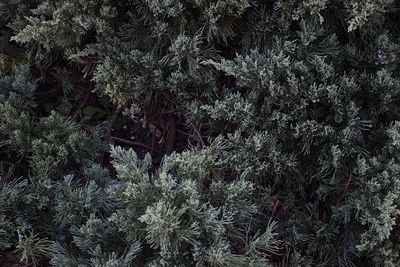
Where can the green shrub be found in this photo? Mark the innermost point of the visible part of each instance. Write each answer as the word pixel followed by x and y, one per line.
pixel 253 133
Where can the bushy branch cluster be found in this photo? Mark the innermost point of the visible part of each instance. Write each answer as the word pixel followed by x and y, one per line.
pixel 270 133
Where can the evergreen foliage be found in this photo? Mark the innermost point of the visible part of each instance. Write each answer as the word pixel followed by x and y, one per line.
pixel 199 133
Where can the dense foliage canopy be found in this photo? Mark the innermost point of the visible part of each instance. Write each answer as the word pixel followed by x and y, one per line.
pixel 200 133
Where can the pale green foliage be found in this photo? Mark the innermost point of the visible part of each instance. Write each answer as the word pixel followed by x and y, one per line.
pixel 32 248
pixel 167 8
pixel 173 214
pixel 377 201
pixel 361 12
pixel 128 76
pixel 15 128
pixel 294 106
pixel 11 193
pixel 18 89
pixel 168 211
pixel 232 109
pixel 65 24
pixel 218 16
pixel 57 140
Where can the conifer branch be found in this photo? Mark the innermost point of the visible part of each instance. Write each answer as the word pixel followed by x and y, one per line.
pixel 112 121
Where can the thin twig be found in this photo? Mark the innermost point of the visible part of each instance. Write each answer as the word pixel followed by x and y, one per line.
pixel 154 133
pixel 345 189
pixel 197 132
pixel 274 208
pixel 171 135
pixel 113 120
pixel 111 123
pixel 131 143
pixel 15 165
pixel 82 104
pixel 36 93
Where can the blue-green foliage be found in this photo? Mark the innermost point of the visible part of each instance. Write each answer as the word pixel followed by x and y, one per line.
pixel 290 109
